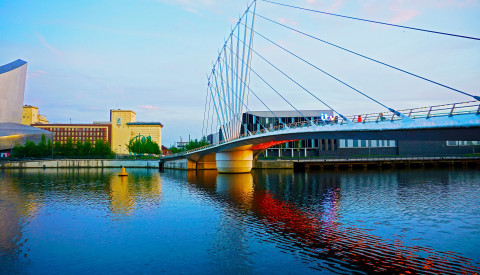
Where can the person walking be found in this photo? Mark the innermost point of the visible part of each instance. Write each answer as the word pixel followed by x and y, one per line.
pixel 359 118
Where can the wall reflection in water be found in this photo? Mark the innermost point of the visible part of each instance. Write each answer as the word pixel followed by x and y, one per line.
pixel 300 213
pixel 24 193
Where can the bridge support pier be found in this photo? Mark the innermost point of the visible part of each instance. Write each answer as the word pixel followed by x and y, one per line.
pixel 234 162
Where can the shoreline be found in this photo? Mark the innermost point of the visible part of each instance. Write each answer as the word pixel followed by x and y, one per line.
pixel 296 164
pixel 79 163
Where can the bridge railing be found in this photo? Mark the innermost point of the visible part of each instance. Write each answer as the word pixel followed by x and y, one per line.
pixel 470 107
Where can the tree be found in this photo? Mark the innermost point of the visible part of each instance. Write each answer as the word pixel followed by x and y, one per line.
pixel 42 149
pixel 142 145
pixel 102 149
pixel 68 149
pixel 58 148
pixel 79 148
pixel 49 148
pixel 87 148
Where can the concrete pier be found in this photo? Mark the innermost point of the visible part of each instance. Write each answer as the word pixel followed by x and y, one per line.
pixel 234 162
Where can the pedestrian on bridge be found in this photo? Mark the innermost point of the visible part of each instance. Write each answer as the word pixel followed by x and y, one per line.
pixel 359 118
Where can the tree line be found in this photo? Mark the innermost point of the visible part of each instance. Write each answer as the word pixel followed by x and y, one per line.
pixel 45 148
pixel 193 144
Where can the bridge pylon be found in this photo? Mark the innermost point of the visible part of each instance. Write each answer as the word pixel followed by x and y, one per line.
pixel 234 162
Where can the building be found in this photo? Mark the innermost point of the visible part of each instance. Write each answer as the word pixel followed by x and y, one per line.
pixel 125 127
pixel 117 132
pixel 257 120
pixel 12 89
pixel 78 132
pixel 31 116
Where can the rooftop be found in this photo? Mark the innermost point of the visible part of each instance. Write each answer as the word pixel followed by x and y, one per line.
pixel 307 113
pixel 144 123
pixel 12 66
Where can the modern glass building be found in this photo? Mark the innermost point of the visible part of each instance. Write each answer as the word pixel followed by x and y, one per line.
pixel 12 90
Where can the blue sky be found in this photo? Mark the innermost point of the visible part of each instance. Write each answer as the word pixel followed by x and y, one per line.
pixel 87 57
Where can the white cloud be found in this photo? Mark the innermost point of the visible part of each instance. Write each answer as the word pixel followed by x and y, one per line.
pixel 149 107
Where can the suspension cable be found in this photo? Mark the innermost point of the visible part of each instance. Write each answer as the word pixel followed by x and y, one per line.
pixel 337 79
pixel 268 84
pixel 371 21
pixel 366 57
pixel 298 84
pixel 243 101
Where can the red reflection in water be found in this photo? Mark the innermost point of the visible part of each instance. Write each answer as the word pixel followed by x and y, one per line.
pixel 328 238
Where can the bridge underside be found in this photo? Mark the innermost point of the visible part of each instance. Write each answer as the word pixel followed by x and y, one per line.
pixel 237 156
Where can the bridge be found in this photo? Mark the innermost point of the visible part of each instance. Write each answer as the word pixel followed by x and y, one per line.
pixel 229 86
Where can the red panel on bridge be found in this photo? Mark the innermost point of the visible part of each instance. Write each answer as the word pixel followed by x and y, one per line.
pixel 266 145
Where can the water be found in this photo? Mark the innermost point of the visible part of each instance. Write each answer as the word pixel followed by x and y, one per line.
pixel 79 221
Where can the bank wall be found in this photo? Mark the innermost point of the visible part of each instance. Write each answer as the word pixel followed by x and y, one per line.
pixel 79 163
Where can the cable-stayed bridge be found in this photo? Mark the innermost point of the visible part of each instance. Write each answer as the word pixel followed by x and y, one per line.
pixel 229 92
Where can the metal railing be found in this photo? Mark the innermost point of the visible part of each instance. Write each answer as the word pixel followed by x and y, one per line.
pixel 470 107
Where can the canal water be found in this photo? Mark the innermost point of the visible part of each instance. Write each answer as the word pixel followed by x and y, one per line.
pixel 81 221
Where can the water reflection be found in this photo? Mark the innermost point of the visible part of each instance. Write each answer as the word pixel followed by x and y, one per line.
pixel 301 213
pixel 74 220
pixel 24 194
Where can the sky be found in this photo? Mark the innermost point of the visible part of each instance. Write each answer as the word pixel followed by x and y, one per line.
pixel 87 57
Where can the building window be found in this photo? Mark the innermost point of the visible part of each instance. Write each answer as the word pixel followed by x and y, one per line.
pixel 462 143
pixel 351 143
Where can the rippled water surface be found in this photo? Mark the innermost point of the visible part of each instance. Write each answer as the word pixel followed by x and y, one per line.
pixel 271 221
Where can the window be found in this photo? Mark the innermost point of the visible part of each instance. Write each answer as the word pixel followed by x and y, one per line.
pixel 462 143
pixel 351 143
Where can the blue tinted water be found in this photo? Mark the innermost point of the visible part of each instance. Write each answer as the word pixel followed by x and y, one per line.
pixel 79 221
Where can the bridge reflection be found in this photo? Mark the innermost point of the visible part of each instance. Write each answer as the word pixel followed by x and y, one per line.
pixel 317 233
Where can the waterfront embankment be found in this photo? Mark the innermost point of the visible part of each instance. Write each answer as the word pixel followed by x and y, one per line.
pixel 298 164
pixel 364 163
pixel 79 163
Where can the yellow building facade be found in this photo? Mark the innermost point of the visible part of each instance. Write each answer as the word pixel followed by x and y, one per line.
pixel 30 115
pixel 125 127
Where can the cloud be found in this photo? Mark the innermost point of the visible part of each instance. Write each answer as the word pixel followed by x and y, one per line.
pixel 401 16
pixel 149 108
pixel 37 73
pixel 326 5
pixel 288 21
pixel 191 5
pixel 47 45
pixel 454 3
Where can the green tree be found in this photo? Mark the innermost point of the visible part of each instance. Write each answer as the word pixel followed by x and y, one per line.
pixel 58 148
pixel 193 144
pixel 68 149
pixel 49 148
pixel 18 151
pixel 142 145
pixel 41 150
pixel 87 148
pixel 31 149
pixel 102 149
pixel 79 148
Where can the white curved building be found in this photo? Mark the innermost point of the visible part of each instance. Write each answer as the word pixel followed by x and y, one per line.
pixel 12 90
